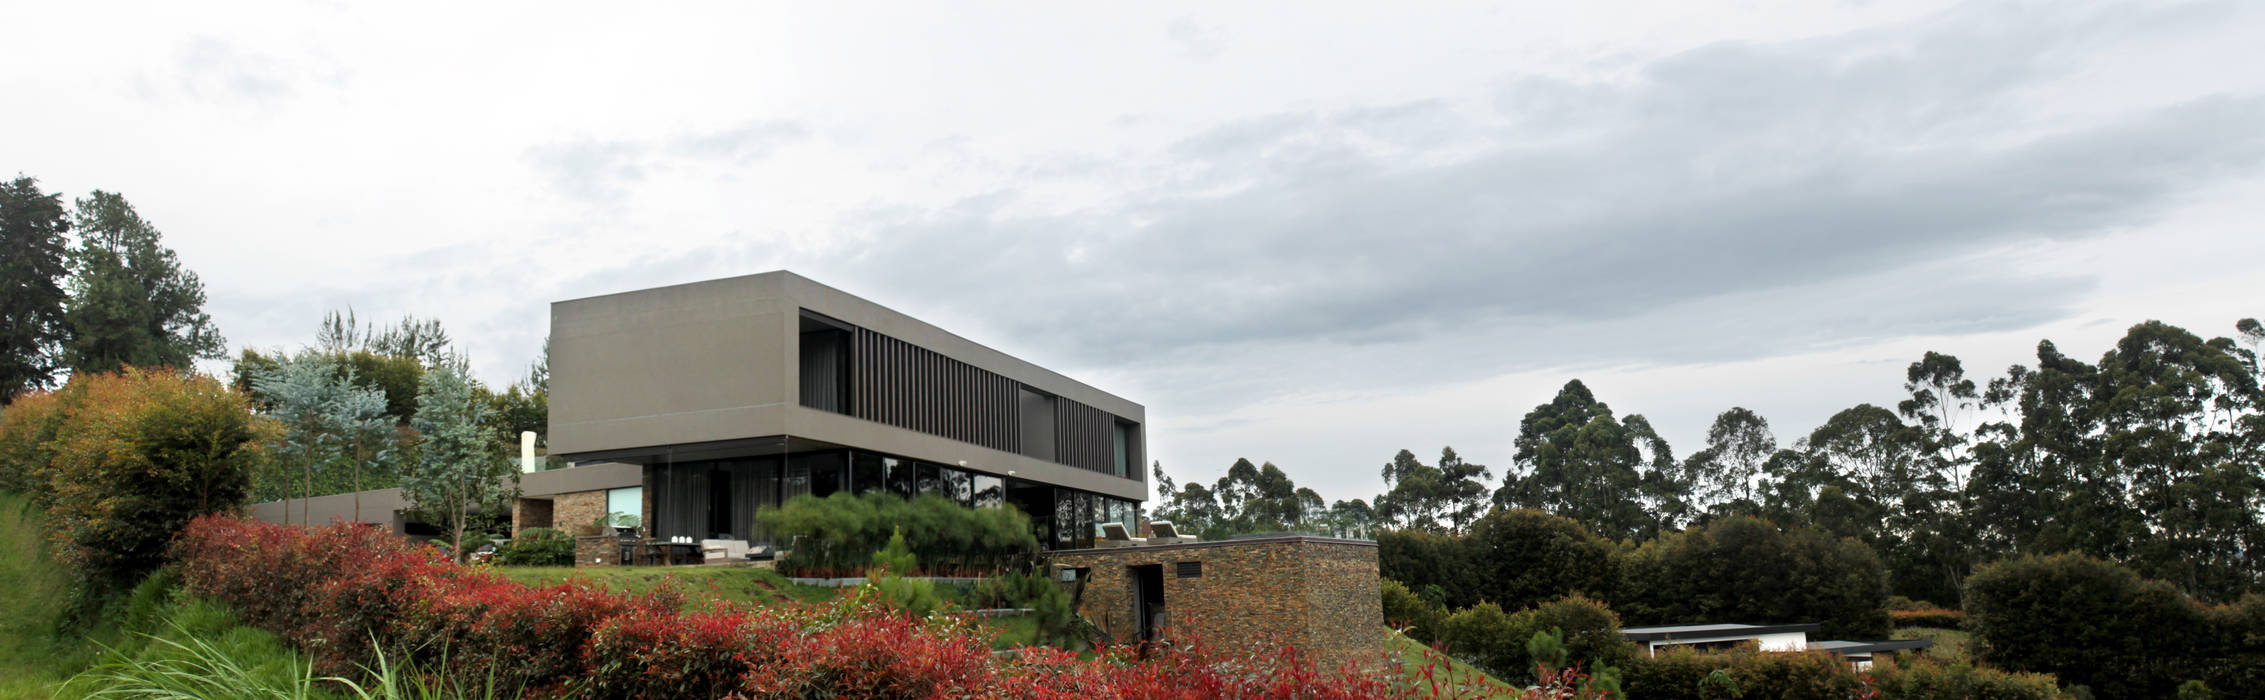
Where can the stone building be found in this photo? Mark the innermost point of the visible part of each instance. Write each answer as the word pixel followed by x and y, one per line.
pixel 1317 594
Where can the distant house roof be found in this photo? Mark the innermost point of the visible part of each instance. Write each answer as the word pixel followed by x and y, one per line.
pixel 1845 648
pixel 1658 633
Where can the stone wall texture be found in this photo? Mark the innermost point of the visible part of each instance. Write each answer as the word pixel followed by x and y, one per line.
pixel 571 511
pixel 530 512
pixel 1317 594
pixel 603 550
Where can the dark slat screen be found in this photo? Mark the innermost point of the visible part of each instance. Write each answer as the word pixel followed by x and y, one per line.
pixel 908 386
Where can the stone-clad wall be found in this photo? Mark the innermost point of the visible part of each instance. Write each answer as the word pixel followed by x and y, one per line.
pixel 1317 594
pixel 603 550
pixel 1342 593
pixel 529 512
pixel 571 511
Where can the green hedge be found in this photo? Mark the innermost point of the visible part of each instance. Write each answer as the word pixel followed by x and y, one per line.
pixel 1677 674
pixel 1943 619
pixel 2098 624
pixel 537 546
pixel 837 535
pixel 1516 558
pixel 1484 636
pixel 1748 570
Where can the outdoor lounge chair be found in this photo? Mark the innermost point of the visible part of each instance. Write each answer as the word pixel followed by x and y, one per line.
pixel 1114 535
pixel 1166 534
pixel 723 550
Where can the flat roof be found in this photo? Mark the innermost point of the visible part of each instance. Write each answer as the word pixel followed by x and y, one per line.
pixel 1848 648
pixel 1138 548
pixel 1657 633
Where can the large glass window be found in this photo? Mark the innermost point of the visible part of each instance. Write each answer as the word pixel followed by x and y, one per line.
pixel 866 472
pixel 1122 449
pixel 824 471
pixel 900 476
pixel 796 479
pixel 958 485
pixel 990 491
pixel 622 501
pixel 931 481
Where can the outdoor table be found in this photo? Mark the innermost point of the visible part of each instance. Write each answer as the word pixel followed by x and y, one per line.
pixel 665 552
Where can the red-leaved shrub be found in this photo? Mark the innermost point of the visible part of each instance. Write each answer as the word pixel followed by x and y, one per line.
pixel 345 593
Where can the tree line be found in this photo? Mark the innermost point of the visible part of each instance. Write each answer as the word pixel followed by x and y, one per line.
pixel 115 297
pixel 2153 456
pixel 101 326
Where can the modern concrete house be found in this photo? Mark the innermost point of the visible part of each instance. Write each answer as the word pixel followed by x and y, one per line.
pixel 698 405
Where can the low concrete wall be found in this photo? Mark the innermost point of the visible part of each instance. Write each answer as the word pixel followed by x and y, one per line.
pixel 382 506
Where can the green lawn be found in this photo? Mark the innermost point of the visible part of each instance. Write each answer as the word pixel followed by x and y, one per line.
pixel 1424 668
pixel 1951 646
pixel 740 584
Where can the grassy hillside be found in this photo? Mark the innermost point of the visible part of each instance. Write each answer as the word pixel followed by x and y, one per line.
pixel 32 652
pixel 1414 656
pixel 150 630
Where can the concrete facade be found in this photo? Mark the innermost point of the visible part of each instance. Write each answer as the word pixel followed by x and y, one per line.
pixel 673 373
pixel 1317 594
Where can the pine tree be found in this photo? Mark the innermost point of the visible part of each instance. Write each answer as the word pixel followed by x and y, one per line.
pixel 32 270
pixel 131 303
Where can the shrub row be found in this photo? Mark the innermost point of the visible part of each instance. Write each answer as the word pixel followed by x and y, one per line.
pixel 2098 624
pixel 537 546
pixel 1738 569
pixel 1679 674
pixel 1485 636
pixel 837 535
pixel 342 592
pixel 1939 618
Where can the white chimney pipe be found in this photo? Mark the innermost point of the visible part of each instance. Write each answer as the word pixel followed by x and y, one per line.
pixel 527 451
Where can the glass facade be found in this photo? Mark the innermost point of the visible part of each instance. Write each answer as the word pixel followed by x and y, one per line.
pixel 719 498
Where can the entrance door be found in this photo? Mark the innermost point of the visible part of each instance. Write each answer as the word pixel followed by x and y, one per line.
pixel 1148 600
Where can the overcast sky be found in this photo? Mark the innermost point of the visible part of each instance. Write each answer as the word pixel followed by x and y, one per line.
pixel 1298 233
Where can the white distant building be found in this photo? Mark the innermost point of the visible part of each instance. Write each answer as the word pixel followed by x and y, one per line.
pixel 1719 637
pixel 1794 637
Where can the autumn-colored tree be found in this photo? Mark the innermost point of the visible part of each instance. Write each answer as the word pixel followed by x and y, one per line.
pixel 138 453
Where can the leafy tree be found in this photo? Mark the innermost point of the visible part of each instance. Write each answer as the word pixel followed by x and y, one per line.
pixel 1522 557
pixel 136 456
pixel 328 422
pixel 396 378
pixel 1726 473
pixel 1745 569
pixel 1445 498
pixel 424 339
pixel 539 373
pixel 1351 519
pixel 1576 459
pixel 32 269
pixel 1437 566
pixel 460 469
pixel 27 442
pixel 1191 509
pixel 131 303
pixel 1256 498
pixel 2092 623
